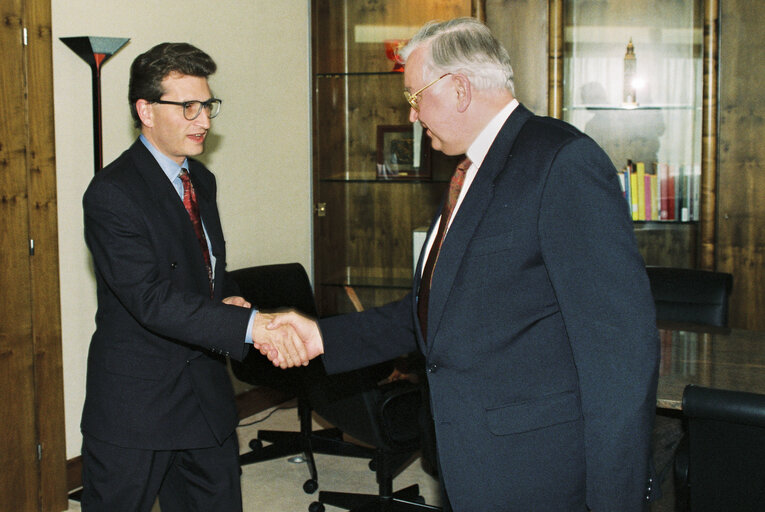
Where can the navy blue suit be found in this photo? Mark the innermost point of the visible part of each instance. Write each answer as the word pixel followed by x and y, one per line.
pixel 542 349
pixel 157 377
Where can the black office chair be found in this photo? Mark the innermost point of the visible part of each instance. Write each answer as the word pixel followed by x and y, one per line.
pixel 726 450
pixel 687 296
pixel 690 295
pixel 392 418
pixel 271 287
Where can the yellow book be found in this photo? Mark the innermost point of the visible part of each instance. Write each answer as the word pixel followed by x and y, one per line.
pixel 634 195
pixel 640 176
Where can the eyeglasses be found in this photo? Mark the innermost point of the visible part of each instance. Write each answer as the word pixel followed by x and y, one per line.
pixel 192 109
pixel 414 99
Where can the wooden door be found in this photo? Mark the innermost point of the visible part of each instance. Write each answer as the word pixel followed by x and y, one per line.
pixel 32 443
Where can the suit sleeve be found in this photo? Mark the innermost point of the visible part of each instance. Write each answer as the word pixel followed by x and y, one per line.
pixel 132 261
pixel 599 279
pixel 356 340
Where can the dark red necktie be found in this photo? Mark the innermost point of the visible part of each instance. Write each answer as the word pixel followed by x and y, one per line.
pixel 190 202
pixel 427 274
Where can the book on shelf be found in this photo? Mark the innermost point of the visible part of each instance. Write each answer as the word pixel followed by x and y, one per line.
pixel 665 192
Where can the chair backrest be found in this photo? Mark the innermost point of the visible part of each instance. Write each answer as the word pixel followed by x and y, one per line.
pixel 690 295
pixel 352 401
pixel 283 285
pixel 726 436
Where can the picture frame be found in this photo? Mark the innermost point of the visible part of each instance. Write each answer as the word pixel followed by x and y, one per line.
pixel 403 152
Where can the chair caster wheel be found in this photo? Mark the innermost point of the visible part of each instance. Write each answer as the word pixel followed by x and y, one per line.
pixel 310 487
pixel 256 444
pixel 316 507
pixel 373 465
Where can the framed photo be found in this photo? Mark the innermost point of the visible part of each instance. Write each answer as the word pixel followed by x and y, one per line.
pixel 402 152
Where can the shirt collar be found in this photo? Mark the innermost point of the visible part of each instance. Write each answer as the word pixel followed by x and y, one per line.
pixel 171 169
pixel 480 146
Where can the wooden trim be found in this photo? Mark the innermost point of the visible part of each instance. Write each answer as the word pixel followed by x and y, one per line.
pixel 44 270
pixel 555 59
pixel 478 9
pixel 709 123
pixel 247 403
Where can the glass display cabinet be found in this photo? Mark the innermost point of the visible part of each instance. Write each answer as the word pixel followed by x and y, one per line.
pixel 631 75
pixel 376 180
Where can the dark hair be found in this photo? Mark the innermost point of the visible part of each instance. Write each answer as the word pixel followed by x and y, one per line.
pixel 150 68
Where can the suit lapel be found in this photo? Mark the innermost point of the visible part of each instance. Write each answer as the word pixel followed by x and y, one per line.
pixel 469 215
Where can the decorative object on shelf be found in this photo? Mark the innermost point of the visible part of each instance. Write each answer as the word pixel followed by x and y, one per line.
pixel 392 47
pixel 629 96
pixel 402 152
pixel 96 51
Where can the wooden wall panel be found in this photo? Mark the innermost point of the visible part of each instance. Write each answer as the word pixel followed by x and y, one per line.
pixel 44 283
pixel 18 436
pixel 32 440
pixel 741 181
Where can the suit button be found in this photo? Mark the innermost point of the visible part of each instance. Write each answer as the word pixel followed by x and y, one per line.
pixel 174 265
pixel 432 368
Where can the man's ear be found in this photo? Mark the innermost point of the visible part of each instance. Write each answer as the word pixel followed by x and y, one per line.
pixel 463 92
pixel 145 112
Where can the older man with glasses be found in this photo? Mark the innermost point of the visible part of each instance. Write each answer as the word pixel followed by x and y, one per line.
pixel 530 302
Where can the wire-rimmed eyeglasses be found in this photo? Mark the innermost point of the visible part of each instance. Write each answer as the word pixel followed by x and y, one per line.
pixel 414 98
pixel 192 109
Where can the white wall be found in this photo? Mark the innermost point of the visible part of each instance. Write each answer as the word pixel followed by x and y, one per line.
pixel 259 150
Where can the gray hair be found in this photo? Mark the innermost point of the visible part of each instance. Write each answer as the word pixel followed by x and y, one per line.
pixel 466 46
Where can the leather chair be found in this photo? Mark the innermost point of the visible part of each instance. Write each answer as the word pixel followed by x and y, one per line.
pixel 393 418
pixel 272 287
pixel 686 296
pixel 690 295
pixel 726 450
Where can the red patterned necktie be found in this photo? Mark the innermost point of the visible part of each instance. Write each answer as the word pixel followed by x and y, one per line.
pixel 192 207
pixel 427 274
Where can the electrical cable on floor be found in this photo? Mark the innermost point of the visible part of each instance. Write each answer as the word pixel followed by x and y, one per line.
pixel 254 422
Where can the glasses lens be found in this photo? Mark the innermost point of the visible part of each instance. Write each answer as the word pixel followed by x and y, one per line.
pixel 191 109
pixel 213 108
pixel 411 99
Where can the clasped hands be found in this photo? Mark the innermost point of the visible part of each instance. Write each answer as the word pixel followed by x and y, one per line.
pixel 287 339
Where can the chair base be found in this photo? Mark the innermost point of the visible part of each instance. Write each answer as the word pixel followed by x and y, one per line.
pixel 404 500
pixel 286 443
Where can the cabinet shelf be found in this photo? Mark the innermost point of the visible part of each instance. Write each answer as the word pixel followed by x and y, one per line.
pixel 360 74
pixel 630 108
pixel 341 179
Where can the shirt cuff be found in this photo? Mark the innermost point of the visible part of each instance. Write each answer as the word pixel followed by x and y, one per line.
pixel 248 335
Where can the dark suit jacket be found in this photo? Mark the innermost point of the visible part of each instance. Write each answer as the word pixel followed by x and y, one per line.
pixel 157 375
pixel 542 349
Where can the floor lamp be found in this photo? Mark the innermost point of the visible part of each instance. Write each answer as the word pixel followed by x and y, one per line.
pixel 96 51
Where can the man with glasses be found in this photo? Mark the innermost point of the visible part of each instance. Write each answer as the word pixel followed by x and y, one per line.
pixel 159 416
pixel 530 303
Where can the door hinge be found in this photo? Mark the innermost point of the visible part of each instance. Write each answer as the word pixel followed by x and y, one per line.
pixel 39 451
pixel 31 247
pixel 24 35
pixel 321 209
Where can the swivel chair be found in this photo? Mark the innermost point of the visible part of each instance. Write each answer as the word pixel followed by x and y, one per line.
pixel 271 287
pixel 726 449
pixel 690 295
pixel 391 418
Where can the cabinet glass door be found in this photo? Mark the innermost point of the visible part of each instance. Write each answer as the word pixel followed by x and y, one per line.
pixel 632 81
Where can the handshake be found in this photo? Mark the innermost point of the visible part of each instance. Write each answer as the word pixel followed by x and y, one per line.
pixel 287 339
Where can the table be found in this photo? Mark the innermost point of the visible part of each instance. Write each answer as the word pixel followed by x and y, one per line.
pixel 712 357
